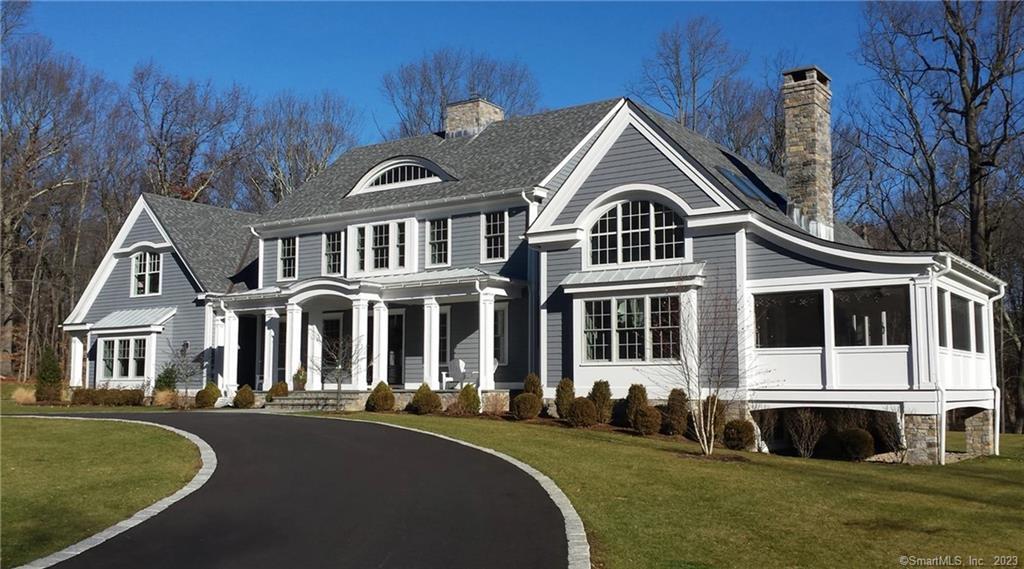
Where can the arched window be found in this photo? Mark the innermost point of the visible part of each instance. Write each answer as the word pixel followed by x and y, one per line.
pixel 402 174
pixel 635 232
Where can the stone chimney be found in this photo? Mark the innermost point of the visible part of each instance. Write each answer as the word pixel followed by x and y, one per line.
pixel 469 117
pixel 806 98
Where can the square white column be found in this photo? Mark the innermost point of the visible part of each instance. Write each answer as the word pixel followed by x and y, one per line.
pixel 380 342
pixel 75 362
pixel 431 342
pixel 314 351
pixel 360 317
pixel 230 353
pixel 293 343
pixel 486 343
pixel 271 329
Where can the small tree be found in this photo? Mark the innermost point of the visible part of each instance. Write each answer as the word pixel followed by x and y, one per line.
pixel 601 395
pixel 636 402
pixel 805 427
pixel 167 379
pixel 381 398
pixel 532 385
pixel 677 413
pixel 48 377
pixel 187 367
pixel 469 399
pixel 564 396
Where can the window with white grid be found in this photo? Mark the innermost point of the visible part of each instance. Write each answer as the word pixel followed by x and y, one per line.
pixel 123 358
pixel 400 244
pixel 146 273
pixel 597 330
pixel 494 236
pixel 668 234
pixel 629 328
pixel 665 327
pixel 381 246
pixel 361 247
pixel 438 242
pixel 636 232
pixel 287 258
pixel 604 239
pixel 332 253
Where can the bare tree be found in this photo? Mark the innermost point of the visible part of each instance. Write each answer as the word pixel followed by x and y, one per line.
pixel 689 65
pixel 419 91
pixel 293 140
pixel 12 17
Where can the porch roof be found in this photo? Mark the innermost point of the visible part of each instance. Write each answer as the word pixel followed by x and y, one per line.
pixel 679 274
pixel 437 277
pixel 135 318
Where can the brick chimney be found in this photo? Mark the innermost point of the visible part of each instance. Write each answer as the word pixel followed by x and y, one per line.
pixel 806 98
pixel 469 117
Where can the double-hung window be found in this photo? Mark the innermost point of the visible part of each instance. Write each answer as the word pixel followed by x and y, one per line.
pixel 381 246
pixel 332 253
pixel 632 329
pixel 495 236
pixel 637 232
pixel 438 243
pixel 287 257
pixel 122 358
pixel 146 273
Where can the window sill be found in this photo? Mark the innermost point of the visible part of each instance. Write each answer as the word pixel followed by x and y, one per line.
pixel 145 295
pixel 611 266
pixel 492 261
pixel 620 363
pixel 895 348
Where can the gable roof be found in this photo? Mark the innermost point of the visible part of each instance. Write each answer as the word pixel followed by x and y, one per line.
pixel 516 153
pixel 213 241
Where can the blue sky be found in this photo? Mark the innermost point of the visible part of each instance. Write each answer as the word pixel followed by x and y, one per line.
pixel 580 52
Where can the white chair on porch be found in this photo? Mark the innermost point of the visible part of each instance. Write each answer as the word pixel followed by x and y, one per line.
pixel 456 375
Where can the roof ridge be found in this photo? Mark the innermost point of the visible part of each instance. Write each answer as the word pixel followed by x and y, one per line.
pixel 187 203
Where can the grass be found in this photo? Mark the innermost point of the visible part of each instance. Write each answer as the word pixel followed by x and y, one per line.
pixel 654 502
pixel 64 480
pixel 9 407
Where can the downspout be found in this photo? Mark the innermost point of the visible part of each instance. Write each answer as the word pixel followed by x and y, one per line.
pixel 997 395
pixel 940 390
pixel 531 255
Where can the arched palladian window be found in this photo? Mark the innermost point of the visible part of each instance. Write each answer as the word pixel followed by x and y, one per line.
pixel 402 174
pixel 636 232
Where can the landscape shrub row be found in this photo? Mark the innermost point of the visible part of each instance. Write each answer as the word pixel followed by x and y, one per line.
pixel 108 397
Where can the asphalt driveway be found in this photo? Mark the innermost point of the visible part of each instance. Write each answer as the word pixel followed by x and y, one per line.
pixel 301 492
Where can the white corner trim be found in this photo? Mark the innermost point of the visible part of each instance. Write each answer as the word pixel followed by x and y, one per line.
pixel 207 457
pixel 575 534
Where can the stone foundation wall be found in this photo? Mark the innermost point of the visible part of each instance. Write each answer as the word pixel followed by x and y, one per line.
pixel 979 431
pixel 922 435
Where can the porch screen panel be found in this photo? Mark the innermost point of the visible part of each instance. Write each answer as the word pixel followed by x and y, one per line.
pixel 979 328
pixel 789 320
pixel 961 315
pixel 872 316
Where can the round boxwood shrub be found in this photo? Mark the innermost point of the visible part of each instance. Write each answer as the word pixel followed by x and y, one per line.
pixel 857 444
pixel 532 385
pixel 469 400
pixel 581 413
pixel 279 389
pixel 244 399
pixel 565 393
pixel 207 396
pixel 526 406
pixel 381 398
pixel 424 401
pixel 738 434
pixel 636 402
pixel 601 395
pixel 648 420
pixel 677 412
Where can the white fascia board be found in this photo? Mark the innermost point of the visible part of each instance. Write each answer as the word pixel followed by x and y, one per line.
pixel 156 328
pixel 579 146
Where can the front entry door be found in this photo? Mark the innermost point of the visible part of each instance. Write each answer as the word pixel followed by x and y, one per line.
pixel 396 348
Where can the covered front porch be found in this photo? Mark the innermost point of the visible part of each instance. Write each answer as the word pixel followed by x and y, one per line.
pixel 441 328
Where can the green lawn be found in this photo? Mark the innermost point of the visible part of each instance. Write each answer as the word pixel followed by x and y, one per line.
pixel 655 503
pixel 64 480
pixel 9 407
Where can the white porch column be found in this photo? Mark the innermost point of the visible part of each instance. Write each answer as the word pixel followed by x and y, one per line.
pixel 380 342
pixel 271 328
pixel 360 316
pixel 75 363
pixel 431 342
pixel 293 343
pixel 230 353
pixel 314 339
pixel 486 343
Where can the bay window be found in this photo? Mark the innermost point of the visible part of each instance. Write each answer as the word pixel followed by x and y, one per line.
pixel 872 316
pixel 122 358
pixel 632 329
pixel 789 319
pixel 381 247
pixel 636 232
pixel 146 273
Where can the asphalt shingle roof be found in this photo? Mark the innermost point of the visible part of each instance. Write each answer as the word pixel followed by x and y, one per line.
pixel 213 240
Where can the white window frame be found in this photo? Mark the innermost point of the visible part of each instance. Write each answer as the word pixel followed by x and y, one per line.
pixel 134 374
pixel 159 273
pixel 483 238
pixel 363 185
pixel 652 229
pixel 648 346
pixel 341 252
pixel 502 307
pixel 280 259
pixel 411 243
pixel 428 241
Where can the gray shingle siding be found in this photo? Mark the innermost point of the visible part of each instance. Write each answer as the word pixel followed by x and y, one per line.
pixel 143 230
pixel 413 356
pixel 767 261
pixel 559 310
pixel 309 255
pixel 270 262
pixel 716 303
pixel 464 336
pixel 633 159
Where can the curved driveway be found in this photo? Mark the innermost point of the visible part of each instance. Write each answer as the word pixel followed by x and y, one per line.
pixel 300 492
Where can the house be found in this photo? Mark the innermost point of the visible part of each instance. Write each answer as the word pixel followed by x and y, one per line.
pixel 592 242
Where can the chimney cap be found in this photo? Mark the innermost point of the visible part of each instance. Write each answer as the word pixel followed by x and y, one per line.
pixel 473 98
pixel 798 74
